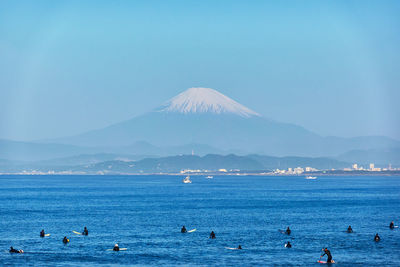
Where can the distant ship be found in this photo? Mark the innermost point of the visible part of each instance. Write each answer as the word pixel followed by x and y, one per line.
pixel 187 180
pixel 311 177
pixel 209 177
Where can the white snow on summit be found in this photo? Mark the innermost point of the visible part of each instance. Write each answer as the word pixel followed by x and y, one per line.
pixel 205 100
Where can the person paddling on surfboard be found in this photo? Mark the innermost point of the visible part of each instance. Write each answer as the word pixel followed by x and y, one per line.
pixel 377 238
pixel 183 230
pixel 239 247
pixel 116 247
pixel 42 233
pixel 349 229
pixel 85 231
pixel 391 225
pixel 13 250
pixel 288 231
pixel 288 245
pixel 212 235
pixel 328 253
pixel 65 240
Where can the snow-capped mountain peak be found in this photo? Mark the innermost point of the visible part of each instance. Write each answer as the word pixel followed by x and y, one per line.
pixel 205 100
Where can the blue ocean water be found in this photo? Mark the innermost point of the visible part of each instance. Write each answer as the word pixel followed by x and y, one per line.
pixel 145 213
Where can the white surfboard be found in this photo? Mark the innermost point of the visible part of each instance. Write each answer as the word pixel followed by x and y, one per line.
pixel 75 232
pixel 47 235
pixel 191 231
pixel 110 249
pixel 232 248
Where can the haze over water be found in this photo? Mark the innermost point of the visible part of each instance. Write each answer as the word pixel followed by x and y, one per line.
pixel 145 214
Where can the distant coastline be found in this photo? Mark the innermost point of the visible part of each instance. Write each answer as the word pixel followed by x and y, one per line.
pixel 211 164
pixel 338 173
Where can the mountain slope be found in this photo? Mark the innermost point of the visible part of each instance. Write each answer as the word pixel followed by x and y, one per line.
pixel 15 150
pixel 225 132
pixel 381 157
pixel 205 116
pixel 61 154
pixel 209 162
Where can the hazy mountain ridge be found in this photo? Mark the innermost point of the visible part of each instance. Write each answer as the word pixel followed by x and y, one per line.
pixel 31 151
pixel 226 132
pixel 178 163
pixel 50 152
pixel 175 164
pixel 205 116
pixel 199 119
pixel 380 157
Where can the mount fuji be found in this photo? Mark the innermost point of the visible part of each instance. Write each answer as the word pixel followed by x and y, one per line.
pixel 205 116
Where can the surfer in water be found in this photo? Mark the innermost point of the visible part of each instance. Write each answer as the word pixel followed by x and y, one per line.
pixel 239 247
pixel 85 231
pixel 212 235
pixel 327 253
pixel 183 230
pixel 288 245
pixel 349 229
pixel 116 247
pixel 65 240
pixel 42 233
pixel 13 250
pixel 377 238
pixel 288 231
pixel 391 225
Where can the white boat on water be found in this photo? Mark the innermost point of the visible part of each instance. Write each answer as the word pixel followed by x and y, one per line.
pixel 187 180
pixel 311 177
pixel 209 177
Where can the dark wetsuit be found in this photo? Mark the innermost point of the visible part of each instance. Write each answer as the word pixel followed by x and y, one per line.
pixel 239 247
pixel 85 231
pixel 377 238
pixel 288 231
pixel 349 230
pixel 116 248
pixel 391 226
pixel 212 235
pixel 288 245
pixel 183 230
pixel 42 233
pixel 13 250
pixel 328 253
pixel 65 240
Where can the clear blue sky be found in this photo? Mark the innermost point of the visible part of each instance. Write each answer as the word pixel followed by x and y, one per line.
pixel 70 66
